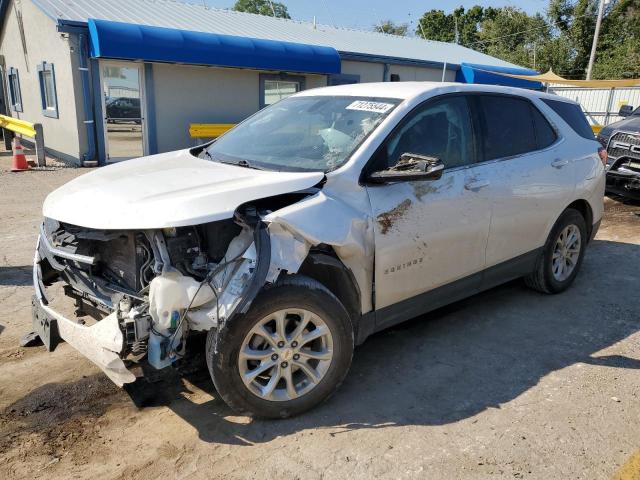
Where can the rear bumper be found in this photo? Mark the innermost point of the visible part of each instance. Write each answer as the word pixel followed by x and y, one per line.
pixel 101 343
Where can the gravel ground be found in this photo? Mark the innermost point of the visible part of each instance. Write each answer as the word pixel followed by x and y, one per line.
pixel 507 384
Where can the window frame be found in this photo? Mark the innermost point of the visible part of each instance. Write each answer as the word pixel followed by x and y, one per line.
pixel 375 158
pixel 15 89
pixel 264 77
pixel 43 68
pixel 476 119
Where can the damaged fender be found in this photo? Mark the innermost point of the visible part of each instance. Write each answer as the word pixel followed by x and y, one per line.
pixel 293 230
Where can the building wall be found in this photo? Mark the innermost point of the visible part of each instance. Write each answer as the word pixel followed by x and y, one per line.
pixel 374 72
pixel 368 71
pixel 189 94
pixel 43 43
pixel 421 74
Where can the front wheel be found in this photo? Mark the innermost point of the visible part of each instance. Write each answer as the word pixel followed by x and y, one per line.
pixel 561 258
pixel 290 351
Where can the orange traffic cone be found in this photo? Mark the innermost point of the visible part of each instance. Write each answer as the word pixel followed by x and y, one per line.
pixel 19 160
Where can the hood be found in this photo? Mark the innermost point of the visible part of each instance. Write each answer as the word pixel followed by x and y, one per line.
pixel 168 190
pixel 629 124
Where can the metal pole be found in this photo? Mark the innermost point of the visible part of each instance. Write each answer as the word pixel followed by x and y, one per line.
pixel 607 114
pixel 444 71
pixel 592 57
pixel 39 141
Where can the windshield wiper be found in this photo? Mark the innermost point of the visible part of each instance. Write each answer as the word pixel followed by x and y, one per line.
pixel 242 163
pixel 206 152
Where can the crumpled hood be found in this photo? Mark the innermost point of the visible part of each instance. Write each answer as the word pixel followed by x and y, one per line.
pixel 167 190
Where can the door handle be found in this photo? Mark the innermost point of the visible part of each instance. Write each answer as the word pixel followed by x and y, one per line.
pixel 559 163
pixel 476 185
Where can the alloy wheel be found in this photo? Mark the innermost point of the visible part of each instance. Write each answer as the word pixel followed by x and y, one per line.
pixel 285 355
pixel 566 252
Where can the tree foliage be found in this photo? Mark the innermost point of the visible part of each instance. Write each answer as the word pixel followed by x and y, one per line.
pixel 262 7
pixel 387 26
pixel 561 39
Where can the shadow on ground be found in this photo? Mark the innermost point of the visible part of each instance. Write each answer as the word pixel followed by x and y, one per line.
pixel 453 363
pixel 16 276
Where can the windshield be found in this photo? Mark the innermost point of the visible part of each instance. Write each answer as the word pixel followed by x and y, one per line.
pixel 315 133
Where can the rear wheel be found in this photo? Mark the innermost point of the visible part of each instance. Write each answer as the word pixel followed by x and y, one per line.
pixel 561 258
pixel 290 352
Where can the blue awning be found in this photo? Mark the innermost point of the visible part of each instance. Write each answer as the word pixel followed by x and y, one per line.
pixel 126 41
pixel 487 74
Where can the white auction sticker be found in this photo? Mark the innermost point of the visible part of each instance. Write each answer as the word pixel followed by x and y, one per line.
pixel 377 107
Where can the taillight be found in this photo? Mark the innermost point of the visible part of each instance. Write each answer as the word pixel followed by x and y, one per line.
pixel 604 156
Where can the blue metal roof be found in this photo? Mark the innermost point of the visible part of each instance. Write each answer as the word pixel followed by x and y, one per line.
pixel 486 74
pixel 196 17
pixel 126 41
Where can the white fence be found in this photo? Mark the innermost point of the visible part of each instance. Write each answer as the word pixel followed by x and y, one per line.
pixel 601 105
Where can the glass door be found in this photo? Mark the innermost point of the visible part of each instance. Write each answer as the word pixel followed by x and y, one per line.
pixel 123 108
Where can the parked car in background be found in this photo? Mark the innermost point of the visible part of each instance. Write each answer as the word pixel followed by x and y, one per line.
pixel 622 141
pixel 123 109
pixel 321 219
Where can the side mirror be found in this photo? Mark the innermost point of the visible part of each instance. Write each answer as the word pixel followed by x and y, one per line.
pixel 410 167
pixel 625 110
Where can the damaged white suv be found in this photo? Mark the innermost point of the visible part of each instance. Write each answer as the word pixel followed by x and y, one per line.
pixel 328 216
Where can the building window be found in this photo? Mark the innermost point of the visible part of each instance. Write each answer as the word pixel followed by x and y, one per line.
pixel 14 90
pixel 274 88
pixel 47 78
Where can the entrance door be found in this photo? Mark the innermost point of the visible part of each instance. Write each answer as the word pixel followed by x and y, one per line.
pixel 123 108
pixel 429 234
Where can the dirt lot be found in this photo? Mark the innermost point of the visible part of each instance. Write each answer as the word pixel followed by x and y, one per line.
pixel 507 384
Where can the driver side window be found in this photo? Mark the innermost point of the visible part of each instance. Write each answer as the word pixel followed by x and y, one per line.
pixel 441 129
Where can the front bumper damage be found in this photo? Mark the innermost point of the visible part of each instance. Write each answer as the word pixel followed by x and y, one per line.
pixel 201 309
pixel 101 343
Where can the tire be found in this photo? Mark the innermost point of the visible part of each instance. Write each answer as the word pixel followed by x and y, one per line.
pixel 543 279
pixel 297 294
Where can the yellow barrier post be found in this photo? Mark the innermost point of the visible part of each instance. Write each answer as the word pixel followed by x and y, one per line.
pixel 596 129
pixel 209 130
pixel 28 129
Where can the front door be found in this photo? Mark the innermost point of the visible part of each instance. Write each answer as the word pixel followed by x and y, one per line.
pixel 429 233
pixel 123 108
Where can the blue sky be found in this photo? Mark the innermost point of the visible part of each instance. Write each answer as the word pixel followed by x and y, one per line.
pixel 364 13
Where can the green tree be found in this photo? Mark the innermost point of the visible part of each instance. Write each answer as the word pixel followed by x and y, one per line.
pixel 618 54
pixel 436 25
pixel 262 7
pixel 387 26
pixel 513 35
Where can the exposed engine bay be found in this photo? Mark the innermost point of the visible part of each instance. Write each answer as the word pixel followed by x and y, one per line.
pixel 157 285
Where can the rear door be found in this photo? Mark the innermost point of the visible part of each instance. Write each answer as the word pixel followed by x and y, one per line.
pixel 530 178
pixel 429 233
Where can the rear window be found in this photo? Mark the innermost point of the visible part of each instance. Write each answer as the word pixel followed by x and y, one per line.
pixel 545 134
pixel 572 114
pixel 507 125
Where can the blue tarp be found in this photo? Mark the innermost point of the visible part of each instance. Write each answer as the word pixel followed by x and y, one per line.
pixel 126 41
pixel 474 73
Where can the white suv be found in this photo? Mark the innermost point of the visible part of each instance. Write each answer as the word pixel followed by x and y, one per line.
pixel 326 217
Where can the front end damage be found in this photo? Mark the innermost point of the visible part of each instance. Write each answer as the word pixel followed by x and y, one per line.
pixel 138 294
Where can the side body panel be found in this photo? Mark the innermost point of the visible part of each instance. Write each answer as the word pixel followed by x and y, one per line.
pixel 427 234
pixel 527 194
